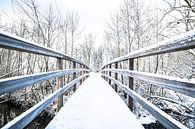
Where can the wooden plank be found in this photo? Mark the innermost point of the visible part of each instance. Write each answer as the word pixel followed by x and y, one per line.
pixel 95 105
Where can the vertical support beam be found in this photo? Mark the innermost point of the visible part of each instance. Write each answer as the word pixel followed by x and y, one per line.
pixel 81 73
pixel 116 76
pixel 74 75
pixel 110 66
pixel 59 66
pixel 122 78
pixel 106 73
pixel 85 67
pixel 130 100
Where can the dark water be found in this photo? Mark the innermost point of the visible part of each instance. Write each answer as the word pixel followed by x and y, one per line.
pixel 8 112
pixel 156 125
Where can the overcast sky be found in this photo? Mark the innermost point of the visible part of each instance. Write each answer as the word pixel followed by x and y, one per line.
pixel 93 13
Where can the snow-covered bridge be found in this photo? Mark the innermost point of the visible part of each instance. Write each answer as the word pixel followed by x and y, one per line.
pixel 95 105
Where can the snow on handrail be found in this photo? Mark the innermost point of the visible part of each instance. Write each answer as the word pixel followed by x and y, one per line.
pixel 183 86
pixel 25 118
pixel 13 42
pixel 181 42
pixel 19 82
pixel 160 115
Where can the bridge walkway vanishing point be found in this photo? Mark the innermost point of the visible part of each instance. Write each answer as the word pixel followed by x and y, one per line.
pixel 95 105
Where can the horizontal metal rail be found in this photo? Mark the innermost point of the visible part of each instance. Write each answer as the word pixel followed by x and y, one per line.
pixel 183 86
pixel 15 83
pixel 160 115
pixel 25 118
pixel 182 42
pixel 13 42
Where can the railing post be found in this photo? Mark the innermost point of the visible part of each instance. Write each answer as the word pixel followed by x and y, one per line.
pixel 74 75
pixel 110 66
pixel 122 78
pixel 59 83
pixel 85 67
pixel 81 73
pixel 130 100
pixel 116 76
pixel 106 73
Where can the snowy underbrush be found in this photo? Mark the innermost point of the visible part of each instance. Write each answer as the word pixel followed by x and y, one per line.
pixel 26 98
pixel 179 106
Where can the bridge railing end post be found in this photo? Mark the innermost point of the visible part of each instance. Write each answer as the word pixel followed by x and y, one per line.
pixel 59 83
pixel 130 100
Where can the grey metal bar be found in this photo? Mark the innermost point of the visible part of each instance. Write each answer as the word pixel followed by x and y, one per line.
pixel 183 86
pixel 13 42
pixel 25 118
pixel 182 42
pixel 160 115
pixel 15 83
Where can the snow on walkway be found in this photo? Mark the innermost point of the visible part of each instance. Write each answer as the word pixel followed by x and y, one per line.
pixel 95 105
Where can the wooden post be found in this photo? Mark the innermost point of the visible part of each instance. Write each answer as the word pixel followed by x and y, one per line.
pixel 116 76
pixel 81 73
pixel 106 73
pixel 110 66
pixel 130 100
pixel 84 72
pixel 122 78
pixel 59 83
pixel 74 75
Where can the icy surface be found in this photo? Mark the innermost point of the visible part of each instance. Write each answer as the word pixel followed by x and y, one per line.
pixel 95 105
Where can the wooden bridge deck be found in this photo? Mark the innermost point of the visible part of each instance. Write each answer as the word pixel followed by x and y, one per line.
pixel 95 105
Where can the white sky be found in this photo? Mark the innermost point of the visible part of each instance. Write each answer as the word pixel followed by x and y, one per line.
pixel 93 13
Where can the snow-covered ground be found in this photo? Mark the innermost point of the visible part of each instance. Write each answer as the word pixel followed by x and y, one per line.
pixel 95 105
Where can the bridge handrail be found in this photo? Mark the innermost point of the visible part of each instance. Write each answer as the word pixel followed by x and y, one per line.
pixel 16 83
pixel 12 42
pixel 184 41
pixel 183 86
pixel 164 118
pixel 25 118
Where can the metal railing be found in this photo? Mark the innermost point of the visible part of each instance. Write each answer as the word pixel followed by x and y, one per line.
pixel 182 42
pixel 12 84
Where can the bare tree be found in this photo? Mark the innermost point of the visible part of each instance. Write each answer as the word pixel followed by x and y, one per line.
pixel 98 58
pixel 87 48
pixel 74 29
